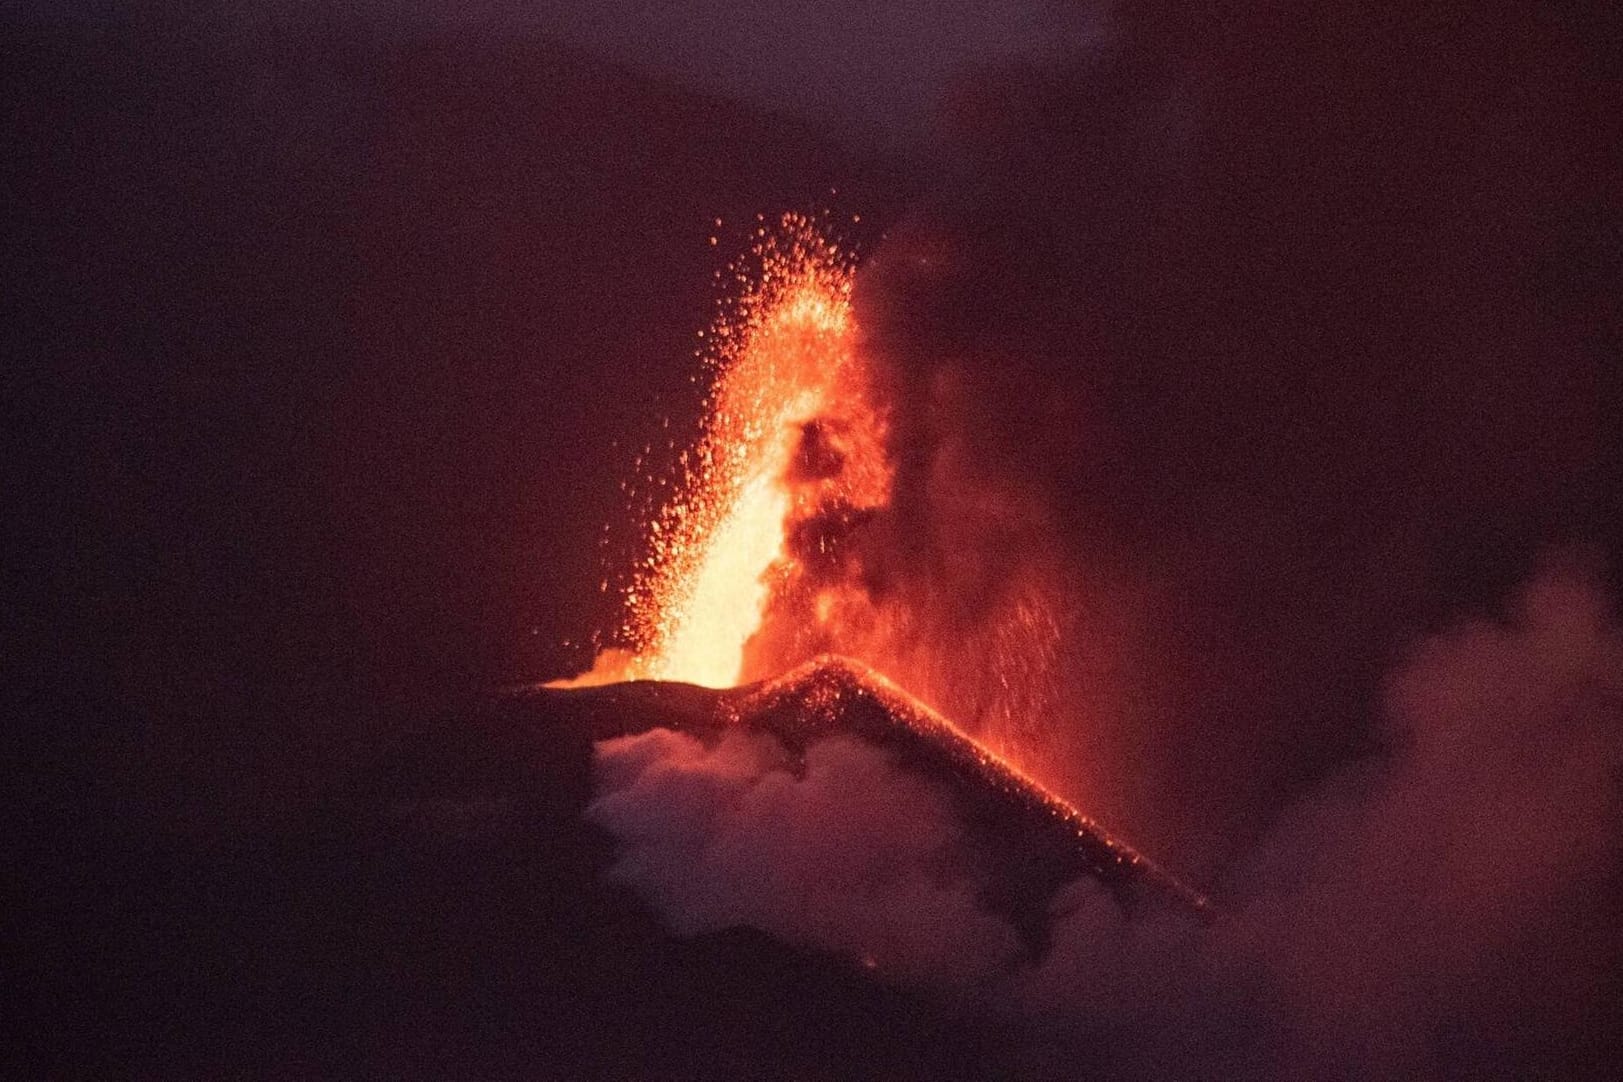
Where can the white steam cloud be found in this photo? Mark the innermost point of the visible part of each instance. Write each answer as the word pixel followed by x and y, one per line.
pixel 847 854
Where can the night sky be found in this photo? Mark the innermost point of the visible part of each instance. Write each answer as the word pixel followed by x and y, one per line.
pixel 331 337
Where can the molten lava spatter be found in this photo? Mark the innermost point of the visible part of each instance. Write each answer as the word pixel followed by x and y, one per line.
pixel 765 557
pixel 787 390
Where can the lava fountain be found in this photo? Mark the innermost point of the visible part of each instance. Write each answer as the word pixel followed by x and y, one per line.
pixel 754 572
pixel 790 428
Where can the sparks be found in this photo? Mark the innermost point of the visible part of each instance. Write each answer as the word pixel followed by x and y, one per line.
pixel 781 355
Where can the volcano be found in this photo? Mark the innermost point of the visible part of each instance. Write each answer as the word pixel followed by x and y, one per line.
pixel 754 586
pixel 1027 841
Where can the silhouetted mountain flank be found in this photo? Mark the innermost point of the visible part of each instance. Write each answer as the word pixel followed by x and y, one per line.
pixel 1030 841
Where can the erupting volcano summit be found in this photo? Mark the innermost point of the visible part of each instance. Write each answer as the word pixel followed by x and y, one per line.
pixel 754 583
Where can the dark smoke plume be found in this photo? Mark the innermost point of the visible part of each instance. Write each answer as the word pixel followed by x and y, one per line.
pixel 1236 354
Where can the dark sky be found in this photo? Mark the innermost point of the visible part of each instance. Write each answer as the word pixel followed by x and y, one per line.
pixel 875 72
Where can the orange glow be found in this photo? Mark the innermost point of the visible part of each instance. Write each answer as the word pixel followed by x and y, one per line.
pixel 782 356
pixel 757 563
pixel 774 549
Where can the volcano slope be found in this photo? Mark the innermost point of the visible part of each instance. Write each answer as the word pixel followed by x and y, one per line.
pixel 1024 842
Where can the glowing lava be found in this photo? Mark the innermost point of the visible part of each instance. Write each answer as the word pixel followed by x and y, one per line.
pixel 770 561
pixel 783 358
